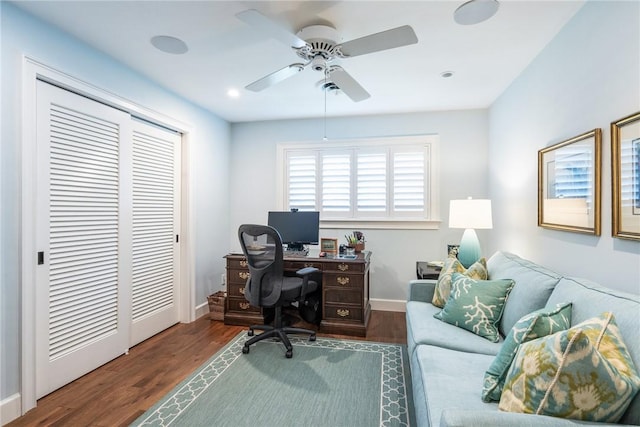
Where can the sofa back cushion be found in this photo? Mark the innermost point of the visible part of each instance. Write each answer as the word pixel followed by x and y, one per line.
pixel 589 300
pixel 533 285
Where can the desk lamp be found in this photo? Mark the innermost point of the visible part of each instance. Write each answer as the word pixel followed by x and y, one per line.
pixel 470 214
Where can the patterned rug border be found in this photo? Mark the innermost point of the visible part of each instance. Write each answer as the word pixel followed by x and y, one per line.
pixel 394 393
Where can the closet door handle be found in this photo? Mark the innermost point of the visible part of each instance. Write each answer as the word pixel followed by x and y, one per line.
pixel 40 258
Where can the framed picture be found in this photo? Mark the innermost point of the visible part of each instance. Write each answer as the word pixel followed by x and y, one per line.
pixel 569 176
pixel 329 246
pixel 625 177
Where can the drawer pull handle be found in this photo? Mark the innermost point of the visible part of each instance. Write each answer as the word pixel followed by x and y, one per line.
pixel 241 290
pixel 342 312
pixel 308 264
pixel 244 275
pixel 243 263
pixel 343 267
pixel 244 305
pixel 342 280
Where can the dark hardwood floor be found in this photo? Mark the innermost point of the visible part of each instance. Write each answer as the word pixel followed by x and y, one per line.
pixel 117 393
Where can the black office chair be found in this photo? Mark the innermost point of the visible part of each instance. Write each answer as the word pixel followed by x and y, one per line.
pixel 268 287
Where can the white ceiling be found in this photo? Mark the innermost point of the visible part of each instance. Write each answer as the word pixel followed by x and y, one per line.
pixel 226 53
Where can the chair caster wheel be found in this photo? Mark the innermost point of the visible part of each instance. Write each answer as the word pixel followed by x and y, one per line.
pixel 289 354
pixel 245 349
pixel 312 337
pixel 250 332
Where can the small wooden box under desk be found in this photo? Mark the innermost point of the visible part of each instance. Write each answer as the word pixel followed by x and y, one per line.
pixel 345 291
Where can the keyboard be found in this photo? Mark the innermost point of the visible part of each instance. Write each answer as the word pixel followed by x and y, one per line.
pixel 295 253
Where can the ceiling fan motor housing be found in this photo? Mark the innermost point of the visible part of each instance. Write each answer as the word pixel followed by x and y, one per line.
pixel 321 45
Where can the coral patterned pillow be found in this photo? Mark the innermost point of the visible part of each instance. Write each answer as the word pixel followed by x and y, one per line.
pixel 583 373
pixel 477 270
pixel 476 305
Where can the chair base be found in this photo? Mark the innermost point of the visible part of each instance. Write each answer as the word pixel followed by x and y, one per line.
pixel 278 332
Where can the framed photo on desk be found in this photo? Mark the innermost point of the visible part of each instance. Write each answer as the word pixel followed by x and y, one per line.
pixel 329 246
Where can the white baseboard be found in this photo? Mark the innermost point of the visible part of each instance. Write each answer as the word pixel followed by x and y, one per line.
pixel 202 309
pixel 388 304
pixel 10 409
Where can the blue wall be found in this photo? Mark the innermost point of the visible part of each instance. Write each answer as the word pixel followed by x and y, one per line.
pixel 21 35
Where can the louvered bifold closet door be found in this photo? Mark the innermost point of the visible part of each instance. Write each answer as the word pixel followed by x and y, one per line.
pixel 81 309
pixel 156 219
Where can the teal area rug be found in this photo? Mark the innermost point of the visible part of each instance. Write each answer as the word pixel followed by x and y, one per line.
pixel 328 382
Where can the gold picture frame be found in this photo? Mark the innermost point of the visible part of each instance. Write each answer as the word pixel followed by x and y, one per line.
pixel 569 181
pixel 625 177
pixel 329 246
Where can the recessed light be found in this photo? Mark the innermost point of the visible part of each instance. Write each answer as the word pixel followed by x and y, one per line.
pixel 233 93
pixel 169 44
pixel 475 11
pixel 446 74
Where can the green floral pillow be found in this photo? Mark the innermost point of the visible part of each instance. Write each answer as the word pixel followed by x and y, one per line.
pixel 583 373
pixel 477 270
pixel 539 323
pixel 476 305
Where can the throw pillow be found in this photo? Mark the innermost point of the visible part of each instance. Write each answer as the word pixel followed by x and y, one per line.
pixel 539 323
pixel 583 373
pixel 477 270
pixel 476 305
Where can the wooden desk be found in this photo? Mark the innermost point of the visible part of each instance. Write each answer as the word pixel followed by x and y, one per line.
pixel 345 292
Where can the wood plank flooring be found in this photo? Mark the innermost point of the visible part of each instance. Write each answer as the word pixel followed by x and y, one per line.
pixel 117 393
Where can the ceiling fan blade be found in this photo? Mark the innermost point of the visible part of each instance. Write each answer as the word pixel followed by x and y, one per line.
pixel 348 84
pixel 275 77
pixel 270 28
pixel 396 37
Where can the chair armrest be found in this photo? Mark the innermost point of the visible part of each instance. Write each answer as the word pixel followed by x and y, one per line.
pixel 422 290
pixel 306 271
pixel 462 418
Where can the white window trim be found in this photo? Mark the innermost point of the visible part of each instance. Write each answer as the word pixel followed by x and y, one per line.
pixel 432 210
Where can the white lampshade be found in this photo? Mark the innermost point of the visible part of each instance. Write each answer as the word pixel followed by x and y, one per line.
pixel 470 213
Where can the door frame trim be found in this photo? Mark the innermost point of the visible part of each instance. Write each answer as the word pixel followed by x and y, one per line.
pixel 32 71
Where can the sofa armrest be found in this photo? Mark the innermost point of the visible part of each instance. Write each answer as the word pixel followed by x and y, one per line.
pixel 461 418
pixel 422 290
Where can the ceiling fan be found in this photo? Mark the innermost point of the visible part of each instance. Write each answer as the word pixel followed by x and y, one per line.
pixel 318 47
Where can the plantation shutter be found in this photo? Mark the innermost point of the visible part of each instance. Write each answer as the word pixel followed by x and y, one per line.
pixel 336 183
pixel 302 181
pixel 630 168
pixel 408 182
pixel 372 183
pixel 573 167
pixel 154 230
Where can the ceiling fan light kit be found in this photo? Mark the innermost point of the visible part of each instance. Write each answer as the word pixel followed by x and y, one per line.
pixel 320 46
pixel 475 11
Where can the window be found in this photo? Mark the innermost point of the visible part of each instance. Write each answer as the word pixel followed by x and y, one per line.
pixel 381 180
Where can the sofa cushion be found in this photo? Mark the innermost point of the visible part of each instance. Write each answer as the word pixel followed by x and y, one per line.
pixel 534 325
pixel 447 379
pixel 533 285
pixel 476 305
pixel 591 299
pixel 477 270
pixel 583 373
pixel 423 328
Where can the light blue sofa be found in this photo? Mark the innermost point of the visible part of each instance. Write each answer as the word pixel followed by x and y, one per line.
pixel 448 363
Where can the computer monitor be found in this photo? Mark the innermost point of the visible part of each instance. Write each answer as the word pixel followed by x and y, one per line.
pixel 296 228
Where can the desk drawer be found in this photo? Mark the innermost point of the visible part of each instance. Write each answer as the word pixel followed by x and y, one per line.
pixel 237 276
pixel 298 265
pixel 346 267
pixel 343 296
pixel 237 263
pixel 241 305
pixel 343 280
pixel 236 290
pixel 343 312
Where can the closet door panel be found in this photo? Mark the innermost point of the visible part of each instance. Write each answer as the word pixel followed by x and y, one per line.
pixel 155 231
pixel 81 311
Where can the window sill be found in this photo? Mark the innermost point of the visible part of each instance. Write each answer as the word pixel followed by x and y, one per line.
pixel 378 224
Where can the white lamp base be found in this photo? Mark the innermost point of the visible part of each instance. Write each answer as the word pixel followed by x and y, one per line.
pixel 469 251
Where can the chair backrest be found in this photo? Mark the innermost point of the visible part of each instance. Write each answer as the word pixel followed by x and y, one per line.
pixel 262 246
